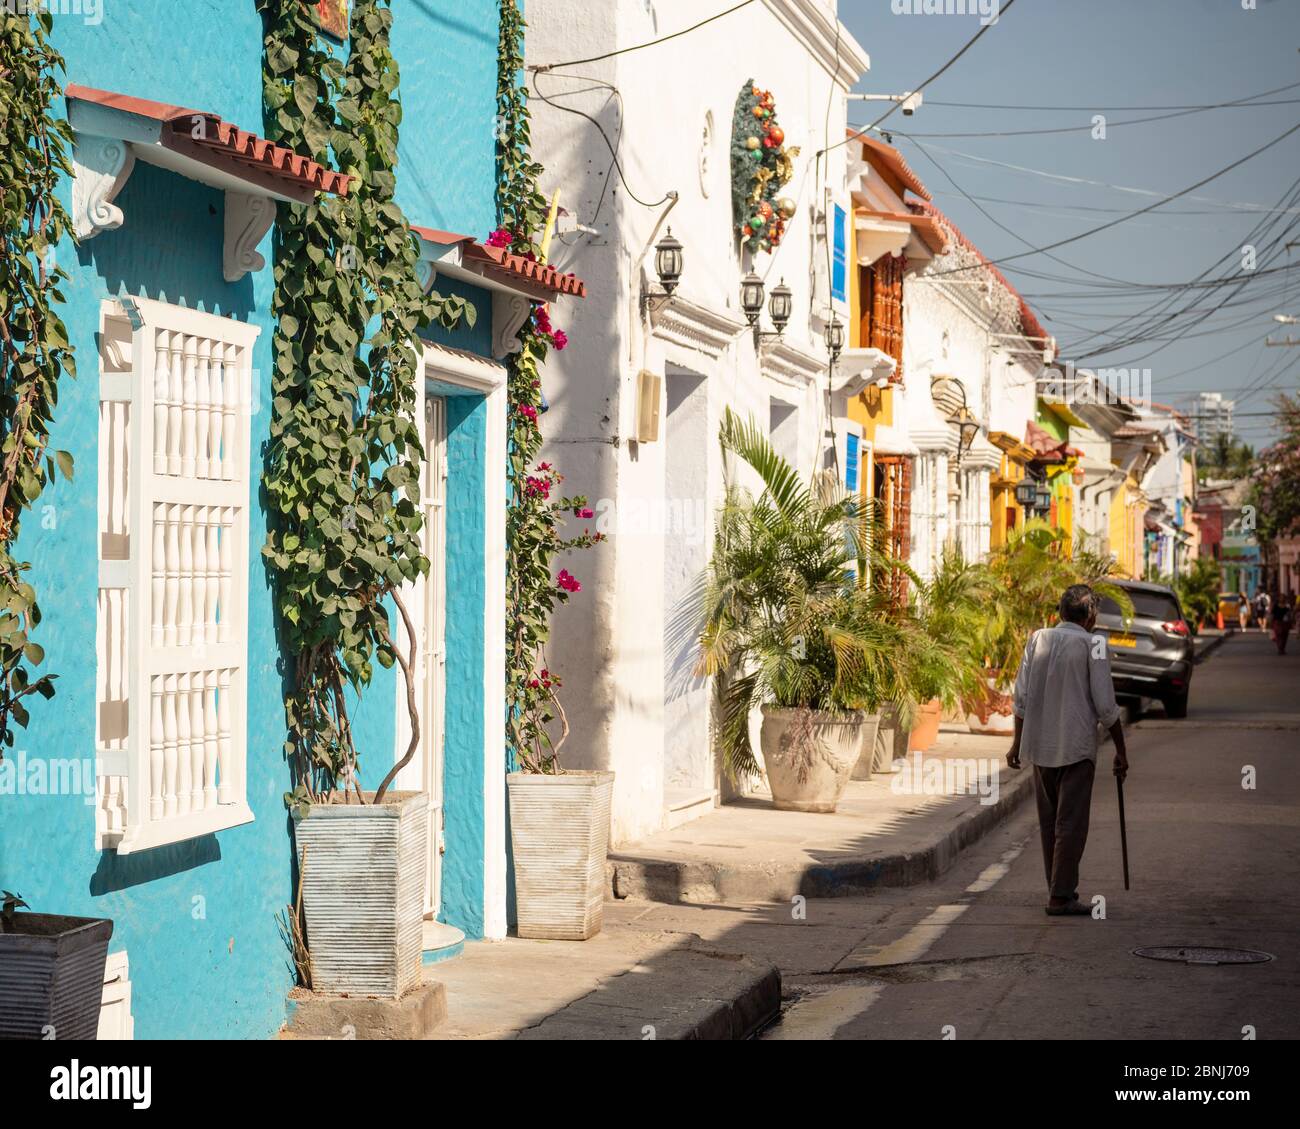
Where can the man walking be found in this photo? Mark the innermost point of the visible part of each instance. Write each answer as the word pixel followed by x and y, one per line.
pixel 1281 619
pixel 1063 693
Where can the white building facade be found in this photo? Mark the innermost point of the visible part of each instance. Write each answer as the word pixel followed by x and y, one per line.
pixel 636 400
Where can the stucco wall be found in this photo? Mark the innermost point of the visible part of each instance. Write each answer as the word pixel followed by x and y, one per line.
pixel 609 642
pixel 197 918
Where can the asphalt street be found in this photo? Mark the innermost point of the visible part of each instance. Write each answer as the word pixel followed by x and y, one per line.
pixel 1213 810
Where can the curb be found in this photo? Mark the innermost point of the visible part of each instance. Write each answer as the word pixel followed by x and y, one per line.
pixel 1210 647
pixel 697 883
pixel 693 994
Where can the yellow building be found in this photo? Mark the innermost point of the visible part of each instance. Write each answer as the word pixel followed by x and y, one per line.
pixel 1005 512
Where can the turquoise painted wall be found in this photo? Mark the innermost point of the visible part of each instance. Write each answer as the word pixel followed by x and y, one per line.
pixel 198 918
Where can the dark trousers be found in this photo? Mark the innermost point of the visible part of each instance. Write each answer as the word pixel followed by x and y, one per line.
pixel 1064 802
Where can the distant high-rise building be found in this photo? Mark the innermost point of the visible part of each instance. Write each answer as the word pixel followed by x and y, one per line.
pixel 1213 416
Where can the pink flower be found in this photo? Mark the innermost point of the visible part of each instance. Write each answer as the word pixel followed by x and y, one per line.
pixel 542 320
pixel 567 581
pixel 528 412
pixel 537 488
pixel 543 466
pixel 500 238
pixel 560 338
pixel 584 513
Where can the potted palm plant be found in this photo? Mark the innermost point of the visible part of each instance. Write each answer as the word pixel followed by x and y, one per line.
pixel 946 665
pixel 51 972
pixel 786 628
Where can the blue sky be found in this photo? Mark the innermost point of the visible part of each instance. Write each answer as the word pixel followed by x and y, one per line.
pixel 1096 55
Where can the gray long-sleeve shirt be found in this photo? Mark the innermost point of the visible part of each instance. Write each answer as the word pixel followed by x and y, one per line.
pixel 1063 691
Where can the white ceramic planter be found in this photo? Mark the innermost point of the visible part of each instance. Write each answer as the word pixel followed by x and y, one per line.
pixel 997 724
pixel 559 836
pixel 810 783
pixel 52 976
pixel 363 893
pixel 866 762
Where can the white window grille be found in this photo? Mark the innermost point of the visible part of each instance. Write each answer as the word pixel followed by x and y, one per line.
pixel 172 612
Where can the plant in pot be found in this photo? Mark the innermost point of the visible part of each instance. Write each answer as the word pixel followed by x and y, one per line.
pixel 559 818
pixel 786 627
pixel 945 667
pixel 51 972
pixel 342 485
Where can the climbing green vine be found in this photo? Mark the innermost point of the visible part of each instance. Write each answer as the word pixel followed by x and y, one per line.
pixel 34 349
pixel 343 464
pixel 536 514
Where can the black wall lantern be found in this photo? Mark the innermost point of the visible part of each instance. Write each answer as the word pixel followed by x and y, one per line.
pixel 668 266
pixel 967 428
pixel 835 338
pixel 1027 493
pixel 779 307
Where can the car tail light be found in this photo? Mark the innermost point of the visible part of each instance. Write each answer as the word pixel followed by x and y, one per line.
pixel 1176 627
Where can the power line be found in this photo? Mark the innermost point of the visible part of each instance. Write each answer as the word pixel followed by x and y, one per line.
pixel 642 46
pixel 1141 211
pixel 1006 7
pixel 1081 180
pixel 1004 106
pixel 1088 127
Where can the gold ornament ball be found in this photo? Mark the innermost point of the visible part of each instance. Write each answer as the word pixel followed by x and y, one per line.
pixel 786 207
pixel 752 143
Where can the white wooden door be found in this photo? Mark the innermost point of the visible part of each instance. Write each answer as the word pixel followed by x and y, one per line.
pixel 433 655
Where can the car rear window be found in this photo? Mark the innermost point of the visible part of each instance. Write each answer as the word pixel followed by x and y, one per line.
pixel 1146 605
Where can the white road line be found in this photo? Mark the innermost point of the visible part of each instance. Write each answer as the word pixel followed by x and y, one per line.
pixel 990 876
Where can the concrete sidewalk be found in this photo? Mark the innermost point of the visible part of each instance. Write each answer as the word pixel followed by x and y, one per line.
pixel 628 982
pixel 897 830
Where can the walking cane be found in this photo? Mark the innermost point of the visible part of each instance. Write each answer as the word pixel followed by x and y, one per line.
pixel 1123 833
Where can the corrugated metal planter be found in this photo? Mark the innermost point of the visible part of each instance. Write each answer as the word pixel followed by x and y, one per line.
pixel 559 834
pixel 363 893
pixel 52 976
pixel 812 781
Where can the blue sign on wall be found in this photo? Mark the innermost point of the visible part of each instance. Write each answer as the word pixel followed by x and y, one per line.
pixel 852 458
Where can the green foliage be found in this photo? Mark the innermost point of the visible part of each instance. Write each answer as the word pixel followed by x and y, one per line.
pixel 343 464
pixel 9 903
pixel 1197 589
pixel 535 517
pixel 1225 457
pixel 34 350
pixel 786 618
pixel 1275 487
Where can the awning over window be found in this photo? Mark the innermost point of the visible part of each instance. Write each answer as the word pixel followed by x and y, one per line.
pixel 516 282
pixel 112 130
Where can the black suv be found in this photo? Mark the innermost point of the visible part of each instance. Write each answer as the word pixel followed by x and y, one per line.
pixel 1152 656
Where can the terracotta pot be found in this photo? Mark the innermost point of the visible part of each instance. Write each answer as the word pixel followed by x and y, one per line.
pixel 802 782
pixel 925 729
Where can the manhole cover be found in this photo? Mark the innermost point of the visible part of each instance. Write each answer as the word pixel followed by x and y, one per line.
pixel 1188 954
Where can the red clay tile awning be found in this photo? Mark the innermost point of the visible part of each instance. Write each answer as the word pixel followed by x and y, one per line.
pixel 893 162
pixel 927 227
pixel 201 134
pixel 505 267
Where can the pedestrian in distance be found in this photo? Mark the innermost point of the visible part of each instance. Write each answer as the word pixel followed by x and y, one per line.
pixel 1064 698
pixel 1243 612
pixel 1281 618
pixel 1261 610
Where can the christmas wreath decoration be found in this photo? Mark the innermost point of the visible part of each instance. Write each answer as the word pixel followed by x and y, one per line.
pixel 761 166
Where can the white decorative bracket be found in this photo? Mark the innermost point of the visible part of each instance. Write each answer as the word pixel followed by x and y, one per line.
pixel 101 166
pixel 248 218
pixel 509 312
